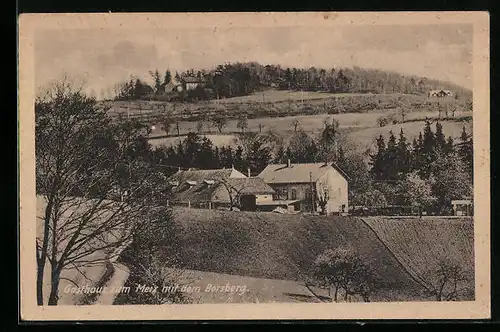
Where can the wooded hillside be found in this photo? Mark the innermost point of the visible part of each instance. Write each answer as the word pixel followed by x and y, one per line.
pixel 240 79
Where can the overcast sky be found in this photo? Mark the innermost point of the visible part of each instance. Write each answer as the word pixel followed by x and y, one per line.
pixel 102 58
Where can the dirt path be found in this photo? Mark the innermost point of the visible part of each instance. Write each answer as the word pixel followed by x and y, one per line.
pixel 118 279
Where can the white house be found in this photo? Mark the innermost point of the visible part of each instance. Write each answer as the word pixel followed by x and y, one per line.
pixel 305 186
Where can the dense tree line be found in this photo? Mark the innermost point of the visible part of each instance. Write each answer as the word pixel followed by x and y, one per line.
pixel 428 172
pixel 239 79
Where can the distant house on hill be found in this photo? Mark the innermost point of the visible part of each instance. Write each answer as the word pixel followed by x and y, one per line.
pixel 440 93
pixel 216 188
pixel 302 185
pixel 191 82
pixel 171 87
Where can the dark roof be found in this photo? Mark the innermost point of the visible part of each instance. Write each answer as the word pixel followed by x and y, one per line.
pixel 297 173
pixel 191 79
pixel 250 186
pixel 202 174
pixel 200 185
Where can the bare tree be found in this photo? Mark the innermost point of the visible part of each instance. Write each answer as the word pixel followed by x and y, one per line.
pixel 233 191
pixel 322 197
pixel 448 282
pixel 242 123
pixel 220 122
pixel 200 126
pixel 342 271
pixel 84 165
pixel 440 110
pixel 166 122
pixel 403 107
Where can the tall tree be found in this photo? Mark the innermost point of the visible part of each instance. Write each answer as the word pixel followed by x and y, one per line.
pixel 450 181
pixel 85 164
pixel 428 151
pixel 156 80
pixel 417 192
pixel 466 151
pixel 328 140
pixel 440 140
pixel 168 77
pixel 391 158
pixel 403 156
pixel 378 160
pixel 302 148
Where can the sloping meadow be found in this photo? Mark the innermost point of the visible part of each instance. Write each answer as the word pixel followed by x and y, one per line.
pixel 269 245
pixel 432 249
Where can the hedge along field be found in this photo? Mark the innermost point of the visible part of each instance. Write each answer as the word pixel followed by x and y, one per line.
pixel 285 95
pixel 268 245
pixel 420 244
pixel 150 111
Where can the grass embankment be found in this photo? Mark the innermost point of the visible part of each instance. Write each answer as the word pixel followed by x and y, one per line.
pixel 267 245
pixel 421 244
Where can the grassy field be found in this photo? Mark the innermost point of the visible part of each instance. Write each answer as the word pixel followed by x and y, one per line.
pixel 364 139
pixel 273 246
pixel 277 104
pixel 360 129
pixel 287 95
pixel 421 244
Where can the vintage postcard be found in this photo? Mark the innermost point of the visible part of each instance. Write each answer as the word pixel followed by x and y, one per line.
pixel 210 166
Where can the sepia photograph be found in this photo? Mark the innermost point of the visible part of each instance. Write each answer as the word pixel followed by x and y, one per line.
pixel 330 165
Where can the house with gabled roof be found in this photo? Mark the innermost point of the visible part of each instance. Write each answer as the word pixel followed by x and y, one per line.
pixel 440 93
pixel 218 187
pixel 306 186
pixel 191 82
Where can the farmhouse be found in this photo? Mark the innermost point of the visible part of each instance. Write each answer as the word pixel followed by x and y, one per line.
pixel 307 186
pixel 440 93
pixel 218 188
pixel 191 83
pixel 171 87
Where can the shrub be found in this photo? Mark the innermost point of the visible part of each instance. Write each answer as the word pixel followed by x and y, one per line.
pixel 382 121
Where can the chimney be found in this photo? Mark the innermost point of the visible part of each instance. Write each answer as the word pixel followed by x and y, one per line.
pixel 288 163
pixel 249 175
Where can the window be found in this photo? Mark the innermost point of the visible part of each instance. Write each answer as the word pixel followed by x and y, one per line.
pixel 281 194
pixel 293 194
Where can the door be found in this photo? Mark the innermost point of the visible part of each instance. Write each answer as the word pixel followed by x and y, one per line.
pixel 248 203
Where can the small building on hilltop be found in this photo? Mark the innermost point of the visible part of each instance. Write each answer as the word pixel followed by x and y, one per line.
pixel 440 93
pixel 227 188
pixel 191 82
pixel 311 187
